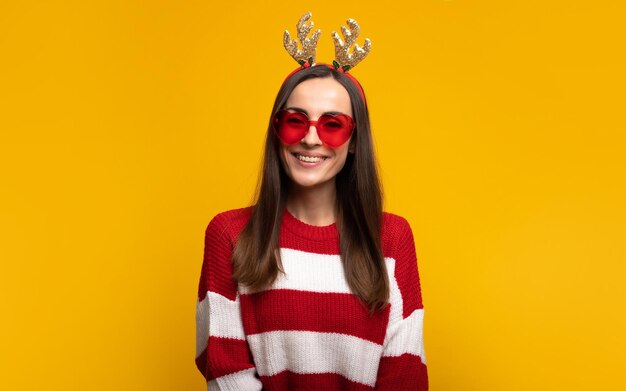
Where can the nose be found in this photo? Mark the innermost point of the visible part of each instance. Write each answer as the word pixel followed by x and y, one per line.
pixel 311 137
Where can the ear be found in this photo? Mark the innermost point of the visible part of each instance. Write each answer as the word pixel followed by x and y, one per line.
pixel 352 146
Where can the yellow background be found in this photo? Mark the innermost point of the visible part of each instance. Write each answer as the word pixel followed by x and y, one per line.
pixel 126 125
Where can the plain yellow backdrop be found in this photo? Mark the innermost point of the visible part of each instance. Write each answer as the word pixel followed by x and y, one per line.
pixel 126 125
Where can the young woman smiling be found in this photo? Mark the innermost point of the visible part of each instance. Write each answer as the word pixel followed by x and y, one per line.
pixel 313 286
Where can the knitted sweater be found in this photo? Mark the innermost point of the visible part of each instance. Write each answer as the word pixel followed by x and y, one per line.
pixel 308 331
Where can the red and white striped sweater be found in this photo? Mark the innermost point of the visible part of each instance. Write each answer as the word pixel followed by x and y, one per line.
pixel 308 331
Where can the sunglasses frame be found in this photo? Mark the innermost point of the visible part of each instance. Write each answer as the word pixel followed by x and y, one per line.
pixel 322 135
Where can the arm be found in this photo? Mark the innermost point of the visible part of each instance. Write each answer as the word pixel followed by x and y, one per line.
pixel 403 363
pixel 222 352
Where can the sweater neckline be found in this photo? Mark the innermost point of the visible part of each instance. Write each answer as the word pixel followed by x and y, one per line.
pixel 308 231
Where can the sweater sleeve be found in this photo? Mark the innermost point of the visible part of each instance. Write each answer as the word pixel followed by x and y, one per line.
pixel 222 352
pixel 403 363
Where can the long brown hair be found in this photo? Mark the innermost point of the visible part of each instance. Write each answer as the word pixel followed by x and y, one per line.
pixel 256 256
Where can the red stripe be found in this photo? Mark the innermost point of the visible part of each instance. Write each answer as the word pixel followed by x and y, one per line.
pixel 220 236
pixel 406 372
pixel 201 364
pixel 286 309
pixel 216 267
pixel 311 382
pixel 226 356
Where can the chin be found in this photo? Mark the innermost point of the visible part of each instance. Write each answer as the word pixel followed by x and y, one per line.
pixel 308 183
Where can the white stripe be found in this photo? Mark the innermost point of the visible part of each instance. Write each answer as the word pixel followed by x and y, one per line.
pixel 395 296
pixel 313 352
pixel 305 271
pixel 407 336
pixel 217 316
pixel 242 380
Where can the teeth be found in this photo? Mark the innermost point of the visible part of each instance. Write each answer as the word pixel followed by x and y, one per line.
pixel 309 159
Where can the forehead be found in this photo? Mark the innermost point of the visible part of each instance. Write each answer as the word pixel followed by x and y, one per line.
pixel 320 95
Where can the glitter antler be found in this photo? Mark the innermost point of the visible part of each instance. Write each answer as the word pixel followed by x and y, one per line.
pixel 343 58
pixel 309 45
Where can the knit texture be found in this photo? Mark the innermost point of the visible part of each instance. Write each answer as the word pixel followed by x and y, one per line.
pixel 308 331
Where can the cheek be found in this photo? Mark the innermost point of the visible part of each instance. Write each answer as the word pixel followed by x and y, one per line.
pixel 285 160
pixel 341 155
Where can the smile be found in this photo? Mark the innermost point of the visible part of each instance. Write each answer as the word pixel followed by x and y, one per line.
pixel 310 159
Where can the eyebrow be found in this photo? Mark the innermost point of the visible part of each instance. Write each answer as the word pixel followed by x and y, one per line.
pixel 303 111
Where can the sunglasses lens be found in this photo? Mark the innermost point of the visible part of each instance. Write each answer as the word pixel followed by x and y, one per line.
pixel 291 127
pixel 335 130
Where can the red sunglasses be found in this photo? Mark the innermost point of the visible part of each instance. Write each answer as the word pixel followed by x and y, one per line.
pixel 333 129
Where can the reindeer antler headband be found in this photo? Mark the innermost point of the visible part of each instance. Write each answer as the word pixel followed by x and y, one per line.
pixel 344 59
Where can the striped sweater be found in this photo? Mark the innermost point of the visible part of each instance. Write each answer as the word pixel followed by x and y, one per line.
pixel 308 331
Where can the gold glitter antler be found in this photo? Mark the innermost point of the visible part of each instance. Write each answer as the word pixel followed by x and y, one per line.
pixel 343 58
pixel 309 45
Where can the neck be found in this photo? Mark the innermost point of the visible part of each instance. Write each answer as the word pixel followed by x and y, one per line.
pixel 313 205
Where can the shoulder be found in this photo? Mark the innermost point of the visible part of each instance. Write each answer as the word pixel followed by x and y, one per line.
pixel 395 230
pixel 392 221
pixel 229 223
pixel 397 237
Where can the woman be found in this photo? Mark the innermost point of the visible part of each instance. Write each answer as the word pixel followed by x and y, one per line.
pixel 314 286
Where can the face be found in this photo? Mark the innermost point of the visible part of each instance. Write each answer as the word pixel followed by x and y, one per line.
pixel 309 163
